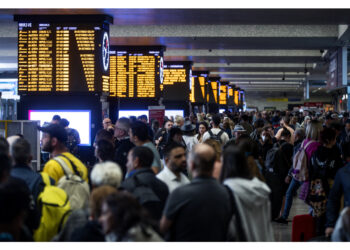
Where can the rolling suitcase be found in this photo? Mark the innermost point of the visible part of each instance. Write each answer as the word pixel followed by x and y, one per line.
pixel 303 227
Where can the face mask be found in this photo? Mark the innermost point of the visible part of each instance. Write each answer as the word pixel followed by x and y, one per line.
pixel 263 137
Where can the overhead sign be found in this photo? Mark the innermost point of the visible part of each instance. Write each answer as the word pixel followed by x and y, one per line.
pixel 59 55
pixel 136 71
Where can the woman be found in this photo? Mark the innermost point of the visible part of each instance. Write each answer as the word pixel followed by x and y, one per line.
pixel 310 144
pixel 218 151
pixel 325 162
pixel 251 196
pixel 202 128
pixel 124 219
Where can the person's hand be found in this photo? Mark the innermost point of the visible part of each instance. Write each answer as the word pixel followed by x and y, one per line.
pixel 287 179
pixel 329 231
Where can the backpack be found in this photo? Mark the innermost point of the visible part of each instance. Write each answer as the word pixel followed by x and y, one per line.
pixel 300 171
pixel 272 158
pixel 54 206
pixel 146 197
pixel 76 188
pixel 216 137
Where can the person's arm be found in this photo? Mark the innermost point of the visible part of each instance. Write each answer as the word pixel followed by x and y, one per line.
pixel 278 135
pixel 165 224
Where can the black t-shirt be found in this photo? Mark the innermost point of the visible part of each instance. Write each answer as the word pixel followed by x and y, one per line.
pixel 121 153
pixel 200 211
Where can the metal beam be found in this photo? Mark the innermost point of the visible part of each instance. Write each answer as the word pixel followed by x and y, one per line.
pixel 224 31
pixel 237 52
pixel 252 65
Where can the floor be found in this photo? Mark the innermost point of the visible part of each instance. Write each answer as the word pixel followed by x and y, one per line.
pixel 284 232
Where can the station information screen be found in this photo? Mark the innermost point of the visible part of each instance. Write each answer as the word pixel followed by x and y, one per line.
pixel 236 97
pixel 223 95
pixel 136 72
pixel 230 100
pixel 176 84
pixel 63 57
pixel 212 96
pixel 198 87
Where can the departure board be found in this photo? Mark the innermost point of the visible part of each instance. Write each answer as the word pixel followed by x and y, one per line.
pixel 136 72
pixel 236 97
pixel 223 94
pixel 230 100
pixel 199 87
pixel 213 90
pixel 176 84
pixel 61 56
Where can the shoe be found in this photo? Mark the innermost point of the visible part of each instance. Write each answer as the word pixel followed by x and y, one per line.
pixel 281 220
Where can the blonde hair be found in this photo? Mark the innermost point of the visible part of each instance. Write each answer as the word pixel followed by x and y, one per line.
pixel 216 146
pixel 313 130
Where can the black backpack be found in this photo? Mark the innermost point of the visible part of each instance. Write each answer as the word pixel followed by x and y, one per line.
pixel 274 157
pixel 216 137
pixel 146 197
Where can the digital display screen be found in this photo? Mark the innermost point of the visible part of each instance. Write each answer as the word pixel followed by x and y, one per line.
pixel 236 97
pixel 78 119
pixel 199 87
pixel 137 113
pixel 176 82
pixel 221 110
pixel 136 72
pixel 8 89
pixel 212 96
pixel 223 95
pixel 63 57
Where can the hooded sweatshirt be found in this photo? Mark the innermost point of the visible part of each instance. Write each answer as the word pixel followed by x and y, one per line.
pixel 253 204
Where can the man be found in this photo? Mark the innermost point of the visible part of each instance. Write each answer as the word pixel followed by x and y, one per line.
pixel 201 210
pixel 246 125
pixel 162 136
pixel 144 119
pixel 73 139
pixel 139 136
pixel 107 123
pixel 123 144
pixel 141 181
pixel 56 119
pixel 54 141
pixel 216 131
pixel 175 164
pixel 285 124
pixel 21 154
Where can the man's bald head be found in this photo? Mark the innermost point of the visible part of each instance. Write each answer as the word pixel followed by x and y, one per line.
pixel 202 159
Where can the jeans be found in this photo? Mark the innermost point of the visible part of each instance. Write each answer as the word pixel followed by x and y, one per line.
pixel 293 187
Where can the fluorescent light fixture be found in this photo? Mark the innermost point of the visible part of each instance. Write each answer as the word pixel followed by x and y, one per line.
pixel 8 65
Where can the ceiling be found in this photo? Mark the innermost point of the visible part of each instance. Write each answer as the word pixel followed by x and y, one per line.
pixel 259 50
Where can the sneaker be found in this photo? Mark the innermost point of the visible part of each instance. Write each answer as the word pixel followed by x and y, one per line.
pixel 281 220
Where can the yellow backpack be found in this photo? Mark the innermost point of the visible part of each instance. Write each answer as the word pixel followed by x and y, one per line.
pixel 55 207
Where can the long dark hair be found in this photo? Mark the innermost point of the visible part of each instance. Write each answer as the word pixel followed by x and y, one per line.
pixel 234 164
pixel 127 213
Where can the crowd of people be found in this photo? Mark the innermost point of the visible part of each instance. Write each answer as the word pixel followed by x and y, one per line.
pixel 205 177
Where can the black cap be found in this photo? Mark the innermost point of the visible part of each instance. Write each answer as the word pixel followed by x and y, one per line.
pixel 55 130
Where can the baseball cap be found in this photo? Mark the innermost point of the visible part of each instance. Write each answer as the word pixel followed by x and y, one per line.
pixel 238 128
pixel 55 130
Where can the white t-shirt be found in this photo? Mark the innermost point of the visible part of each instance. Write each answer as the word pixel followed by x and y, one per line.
pixel 224 137
pixel 189 141
pixel 171 180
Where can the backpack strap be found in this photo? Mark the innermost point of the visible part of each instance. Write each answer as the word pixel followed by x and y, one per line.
pixel 46 179
pixel 75 169
pixel 210 132
pixel 307 144
pixel 63 165
pixel 220 133
pixel 239 227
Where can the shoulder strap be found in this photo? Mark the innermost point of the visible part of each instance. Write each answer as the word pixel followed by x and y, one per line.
pixel 75 169
pixel 235 211
pixel 307 144
pixel 210 132
pixel 63 165
pixel 220 133
pixel 46 179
